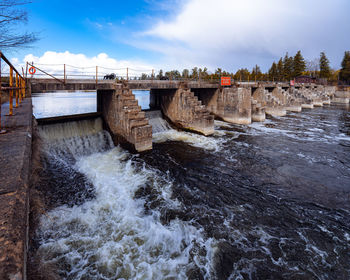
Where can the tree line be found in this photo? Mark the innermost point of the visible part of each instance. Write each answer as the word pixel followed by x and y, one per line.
pixel 285 69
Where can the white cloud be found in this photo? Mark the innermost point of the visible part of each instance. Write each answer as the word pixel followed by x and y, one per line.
pixel 80 64
pixel 237 33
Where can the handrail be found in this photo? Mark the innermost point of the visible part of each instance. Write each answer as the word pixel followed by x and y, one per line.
pixel 46 73
pixel 9 64
pixel 17 84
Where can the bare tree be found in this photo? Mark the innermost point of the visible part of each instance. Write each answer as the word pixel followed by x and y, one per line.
pixel 313 66
pixel 12 14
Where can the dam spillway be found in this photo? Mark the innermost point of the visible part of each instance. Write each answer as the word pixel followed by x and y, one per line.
pixel 246 202
pixel 279 185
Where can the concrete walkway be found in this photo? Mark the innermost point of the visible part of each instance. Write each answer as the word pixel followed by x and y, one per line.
pixel 15 167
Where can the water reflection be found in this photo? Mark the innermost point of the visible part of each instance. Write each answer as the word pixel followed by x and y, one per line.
pixel 61 103
pixel 52 104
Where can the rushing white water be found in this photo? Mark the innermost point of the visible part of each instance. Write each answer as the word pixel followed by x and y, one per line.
pixel 112 236
pixel 157 122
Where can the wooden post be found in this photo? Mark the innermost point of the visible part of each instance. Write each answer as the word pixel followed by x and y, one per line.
pixel 64 73
pixel 152 74
pixel 127 74
pixel 96 75
pixel 16 80
pixel 11 92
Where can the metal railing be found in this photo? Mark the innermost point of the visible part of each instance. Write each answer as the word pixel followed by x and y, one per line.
pixel 61 72
pixel 15 84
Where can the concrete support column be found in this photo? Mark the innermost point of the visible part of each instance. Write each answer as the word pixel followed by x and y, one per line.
pixel 234 105
pixel 124 118
pixel 258 104
pixel 185 111
pixel 276 103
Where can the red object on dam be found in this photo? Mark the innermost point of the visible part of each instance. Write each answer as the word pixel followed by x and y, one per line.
pixel 225 81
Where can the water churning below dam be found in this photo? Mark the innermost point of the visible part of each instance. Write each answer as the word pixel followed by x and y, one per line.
pixel 263 201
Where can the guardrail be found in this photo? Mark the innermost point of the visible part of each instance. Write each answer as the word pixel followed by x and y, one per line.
pixel 16 84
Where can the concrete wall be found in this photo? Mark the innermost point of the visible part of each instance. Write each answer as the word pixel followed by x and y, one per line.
pixel 183 109
pixel 231 104
pixel 124 118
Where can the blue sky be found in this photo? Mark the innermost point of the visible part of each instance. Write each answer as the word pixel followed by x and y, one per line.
pixel 185 33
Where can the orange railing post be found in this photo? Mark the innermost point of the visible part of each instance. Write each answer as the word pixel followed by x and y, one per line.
pixel 24 87
pixel 1 130
pixel 16 83
pixel 11 92
pixel 17 95
pixel 18 89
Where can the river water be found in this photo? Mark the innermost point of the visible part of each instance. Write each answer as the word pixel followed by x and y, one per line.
pixel 265 201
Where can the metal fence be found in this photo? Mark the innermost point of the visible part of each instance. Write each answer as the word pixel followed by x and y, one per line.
pixel 14 83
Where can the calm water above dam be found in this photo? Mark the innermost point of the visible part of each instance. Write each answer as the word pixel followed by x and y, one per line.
pixel 62 103
pixel 265 201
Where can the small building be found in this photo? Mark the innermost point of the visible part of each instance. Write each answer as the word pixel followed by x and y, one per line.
pixel 305 79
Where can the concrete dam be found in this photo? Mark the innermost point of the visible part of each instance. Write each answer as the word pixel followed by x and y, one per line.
pixel 192 106
pixel 197 108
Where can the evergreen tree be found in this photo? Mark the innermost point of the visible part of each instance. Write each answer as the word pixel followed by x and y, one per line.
pixel 344 74
pixel 185 73
pixel 288 62
pixel 242 74
pixel 256 73
pixel 299 65
pixel 280 70
pixel 194 74
pixel 273 72
pixel 325 70
pixel 160 74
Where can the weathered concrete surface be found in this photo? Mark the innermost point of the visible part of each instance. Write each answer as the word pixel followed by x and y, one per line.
pixel 341 97
pixel 185 111
pixel 44 84
pixel 293 108
pixel 15 166
pixel 233 105
pixel 276 111
pixel 307 106
pixel 47 85
pixel 124 118
pixel 258 104
pixel 275 102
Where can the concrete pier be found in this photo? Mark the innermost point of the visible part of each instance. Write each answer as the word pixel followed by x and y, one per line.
pixel 231 104
pixel 184 110
pixel 124 118
pixel 341 97
pixel 258 104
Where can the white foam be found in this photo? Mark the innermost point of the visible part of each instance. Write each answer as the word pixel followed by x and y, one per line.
pixel 195 140
pixel 112 237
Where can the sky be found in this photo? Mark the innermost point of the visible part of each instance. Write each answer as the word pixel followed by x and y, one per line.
pixel 178 34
